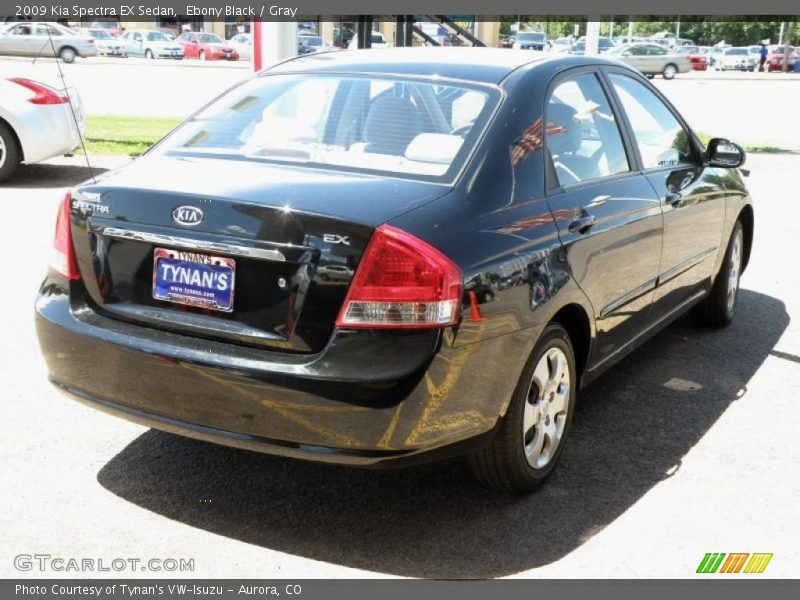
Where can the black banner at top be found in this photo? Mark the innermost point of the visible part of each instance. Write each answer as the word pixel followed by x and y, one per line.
pixel 216 10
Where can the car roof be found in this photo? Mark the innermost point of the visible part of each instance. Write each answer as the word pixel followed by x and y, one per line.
pixel 483 65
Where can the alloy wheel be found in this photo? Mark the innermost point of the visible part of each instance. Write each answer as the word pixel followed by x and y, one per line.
pixel 734 270
pixel 2 153
pixel 546 408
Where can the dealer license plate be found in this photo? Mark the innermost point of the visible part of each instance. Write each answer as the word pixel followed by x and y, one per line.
pixel 194 279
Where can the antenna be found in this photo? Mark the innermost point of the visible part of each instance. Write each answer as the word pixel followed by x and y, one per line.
pixel 69 99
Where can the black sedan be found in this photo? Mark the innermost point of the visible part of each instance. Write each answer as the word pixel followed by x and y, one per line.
pixel 504 227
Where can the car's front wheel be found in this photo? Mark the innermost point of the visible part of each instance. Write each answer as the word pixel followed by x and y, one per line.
pixel 9 152
pixel 718 308
pixel 531 437
pixel 148 54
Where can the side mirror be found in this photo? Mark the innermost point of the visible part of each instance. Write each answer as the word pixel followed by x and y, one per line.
pixel 723 153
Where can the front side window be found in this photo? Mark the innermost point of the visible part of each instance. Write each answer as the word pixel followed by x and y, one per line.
pixel 661 138
pixel 582 134
pixel 404 127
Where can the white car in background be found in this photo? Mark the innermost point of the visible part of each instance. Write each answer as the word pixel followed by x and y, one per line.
pixel 735 59
pixel 106 44
pixel 378 41
pixel 38 120
pixel 243 44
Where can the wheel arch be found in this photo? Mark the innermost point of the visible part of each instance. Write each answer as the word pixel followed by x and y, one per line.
pixel 68 47
pixel 746 218
pixel 16 138
pixel 575 320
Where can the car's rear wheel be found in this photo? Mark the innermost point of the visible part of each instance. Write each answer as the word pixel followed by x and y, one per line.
pixel 669 71
pixel 67 54
pixel 9 152
pixel 717 309
pixel 531 437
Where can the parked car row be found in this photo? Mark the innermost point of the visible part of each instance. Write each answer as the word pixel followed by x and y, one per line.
pixel 724 57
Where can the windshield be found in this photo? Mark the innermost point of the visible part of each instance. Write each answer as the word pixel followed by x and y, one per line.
pixel 157 36
pixel 312 40
pixel 208 38
pixel 736 51
pixel 531 36
pixel 392 126
pixel 689 50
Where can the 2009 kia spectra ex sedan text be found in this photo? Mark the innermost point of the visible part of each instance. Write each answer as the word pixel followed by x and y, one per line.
pixel 389 256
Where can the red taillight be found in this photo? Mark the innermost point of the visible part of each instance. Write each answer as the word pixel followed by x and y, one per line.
pixel 63 259
pixel 402 282
pixel 42 94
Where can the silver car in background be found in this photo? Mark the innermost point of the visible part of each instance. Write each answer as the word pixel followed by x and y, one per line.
pixel 150 44
pixel 38 120
pixel 652 59
pixel 44 39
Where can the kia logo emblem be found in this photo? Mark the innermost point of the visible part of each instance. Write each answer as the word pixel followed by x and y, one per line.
pixel 187 215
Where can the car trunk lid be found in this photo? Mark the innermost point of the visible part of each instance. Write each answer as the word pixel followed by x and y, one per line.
pixel 288 237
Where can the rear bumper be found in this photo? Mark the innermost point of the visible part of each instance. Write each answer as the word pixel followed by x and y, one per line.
pixel 48 131
pixel 366 400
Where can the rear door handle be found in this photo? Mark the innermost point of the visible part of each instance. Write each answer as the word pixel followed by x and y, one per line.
pixel 582 224
pixel 674 198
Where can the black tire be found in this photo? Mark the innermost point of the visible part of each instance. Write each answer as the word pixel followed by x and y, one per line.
pixel 503 464
pixel 148 54
pixel 9 152
pixel 719 307
pixel 669 71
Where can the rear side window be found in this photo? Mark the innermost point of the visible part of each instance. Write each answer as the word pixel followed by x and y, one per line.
pixel 661 138
pixel 583 138
pixel 393 126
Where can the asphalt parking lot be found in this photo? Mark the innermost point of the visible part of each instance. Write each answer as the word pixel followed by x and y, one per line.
pixel 687 447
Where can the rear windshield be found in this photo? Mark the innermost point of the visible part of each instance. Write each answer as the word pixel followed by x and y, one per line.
pixel 736 51
pixel 531 37
pixel 412 128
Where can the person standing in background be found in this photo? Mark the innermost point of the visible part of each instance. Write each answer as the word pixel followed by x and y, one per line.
pixel 763 52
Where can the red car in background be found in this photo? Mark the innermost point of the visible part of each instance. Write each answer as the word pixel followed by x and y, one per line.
pixel 696 56
pixel 206 46
pixel 775 58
